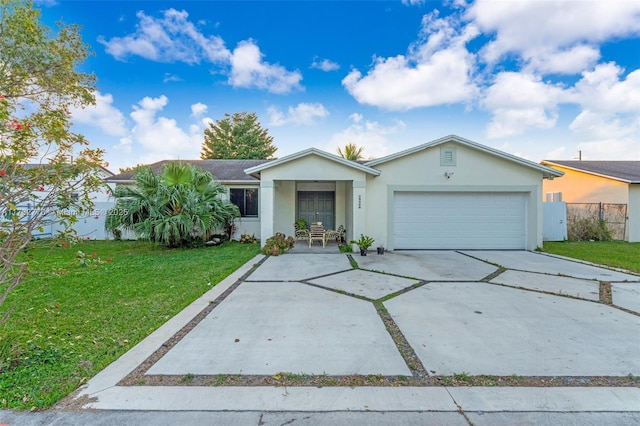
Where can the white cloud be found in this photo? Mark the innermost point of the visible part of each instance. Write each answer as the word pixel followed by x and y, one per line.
pixel 161 137
pixel 198 109
pixel 436 70
pixel 569 61
pixel 602 90
pixel 248 70
pixel 168 77
pixel 609 122
pixel 611 149
pixel 537 30
pixel 102 115
pixel 171 38
pixel 325 65
pixel 556 153
pixel 520 101
pixel 413 2
pixel 124 145
pixel 369 134
pixel 303 114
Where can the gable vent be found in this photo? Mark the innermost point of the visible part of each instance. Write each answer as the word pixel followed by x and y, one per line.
pixel 447 156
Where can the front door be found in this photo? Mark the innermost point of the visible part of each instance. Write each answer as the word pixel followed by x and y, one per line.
pixel 317 206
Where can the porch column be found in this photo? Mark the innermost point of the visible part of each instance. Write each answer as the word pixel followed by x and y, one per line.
pixel 266 209
pixel 359 206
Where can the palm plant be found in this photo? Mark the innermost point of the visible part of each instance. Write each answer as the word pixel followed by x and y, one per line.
pixel 351 152
pixel 180 207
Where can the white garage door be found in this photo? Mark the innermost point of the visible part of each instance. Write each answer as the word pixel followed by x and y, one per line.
pixel 469 220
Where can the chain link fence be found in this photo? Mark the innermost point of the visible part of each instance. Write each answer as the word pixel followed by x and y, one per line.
pixel 597 221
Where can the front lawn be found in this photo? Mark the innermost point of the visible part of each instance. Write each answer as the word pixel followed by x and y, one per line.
pixel 69 321
pixel 619 254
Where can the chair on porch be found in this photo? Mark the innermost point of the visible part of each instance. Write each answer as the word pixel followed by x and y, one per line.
pixel 300 234
pixel 317 233
pixel 337 235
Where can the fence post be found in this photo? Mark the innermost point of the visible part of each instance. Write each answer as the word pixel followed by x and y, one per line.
pixel 601 212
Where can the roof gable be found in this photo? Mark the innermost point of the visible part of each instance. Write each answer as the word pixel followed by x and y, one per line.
pixel 308 152
pixel 546 171
pixel 624 171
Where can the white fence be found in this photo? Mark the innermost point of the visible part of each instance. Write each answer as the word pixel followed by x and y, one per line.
pixel 89 224
pixel 554 220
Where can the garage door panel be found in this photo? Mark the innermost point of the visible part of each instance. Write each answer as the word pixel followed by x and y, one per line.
pixel 424 220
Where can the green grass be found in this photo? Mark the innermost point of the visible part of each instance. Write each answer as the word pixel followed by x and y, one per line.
pixel 618 254
pixel 68 322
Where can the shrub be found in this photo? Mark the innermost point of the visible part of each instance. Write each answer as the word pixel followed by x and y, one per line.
pixel 588 229
pixel 278 244
pixel 364 242
pixel 248 239
pixel 345 248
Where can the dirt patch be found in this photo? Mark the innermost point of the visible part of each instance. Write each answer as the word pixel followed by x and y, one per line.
pixel 605 293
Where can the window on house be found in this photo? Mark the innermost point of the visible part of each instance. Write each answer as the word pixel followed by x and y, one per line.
pixel 447 156
pixel 246 199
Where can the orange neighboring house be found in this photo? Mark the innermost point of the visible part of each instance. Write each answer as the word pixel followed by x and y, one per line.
pixel 600 182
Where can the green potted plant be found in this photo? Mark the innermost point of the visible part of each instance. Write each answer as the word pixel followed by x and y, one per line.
pixel 301 224
pixel 363 243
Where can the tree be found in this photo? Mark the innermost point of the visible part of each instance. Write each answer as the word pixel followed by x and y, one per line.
pixel 351 152
pixel 39 83
pixel 179 208
pixel 237 136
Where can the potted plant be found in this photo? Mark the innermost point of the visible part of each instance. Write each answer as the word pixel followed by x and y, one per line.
pixel 301 224
pixel 363 243
pixel 380 249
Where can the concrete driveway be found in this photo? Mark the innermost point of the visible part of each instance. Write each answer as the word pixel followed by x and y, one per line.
pixel 498 313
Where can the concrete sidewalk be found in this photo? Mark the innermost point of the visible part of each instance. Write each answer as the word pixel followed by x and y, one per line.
pixel 334 418
pixel 313 314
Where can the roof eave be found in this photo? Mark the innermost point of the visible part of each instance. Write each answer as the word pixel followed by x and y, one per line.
pixel 255 171
pixel 593 173
pixel 547 172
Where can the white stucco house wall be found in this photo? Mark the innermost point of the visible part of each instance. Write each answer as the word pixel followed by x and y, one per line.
pixel 242 189
pixel 450 193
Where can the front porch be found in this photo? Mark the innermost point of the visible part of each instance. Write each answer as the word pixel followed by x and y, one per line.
pixel 314 185
pixel 302 247
pixel 331 203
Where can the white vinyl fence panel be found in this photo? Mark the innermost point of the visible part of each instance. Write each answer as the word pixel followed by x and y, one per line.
pixel 554 217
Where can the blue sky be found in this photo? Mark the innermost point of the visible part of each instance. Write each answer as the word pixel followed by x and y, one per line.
pixel 539 79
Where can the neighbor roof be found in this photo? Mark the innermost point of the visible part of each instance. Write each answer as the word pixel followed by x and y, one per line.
pixel 548 172
pixel 625 171
pixel 38 165
pixel 224 171
pixel 313 151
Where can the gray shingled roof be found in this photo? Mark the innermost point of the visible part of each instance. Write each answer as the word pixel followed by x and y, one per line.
pixel 627 171
pixel 221 170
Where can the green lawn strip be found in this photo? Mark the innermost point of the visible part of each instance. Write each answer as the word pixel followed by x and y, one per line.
pixel 618 254
pixel 68 322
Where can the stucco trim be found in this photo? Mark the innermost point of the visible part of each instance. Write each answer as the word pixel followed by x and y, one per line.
pixel 255 171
